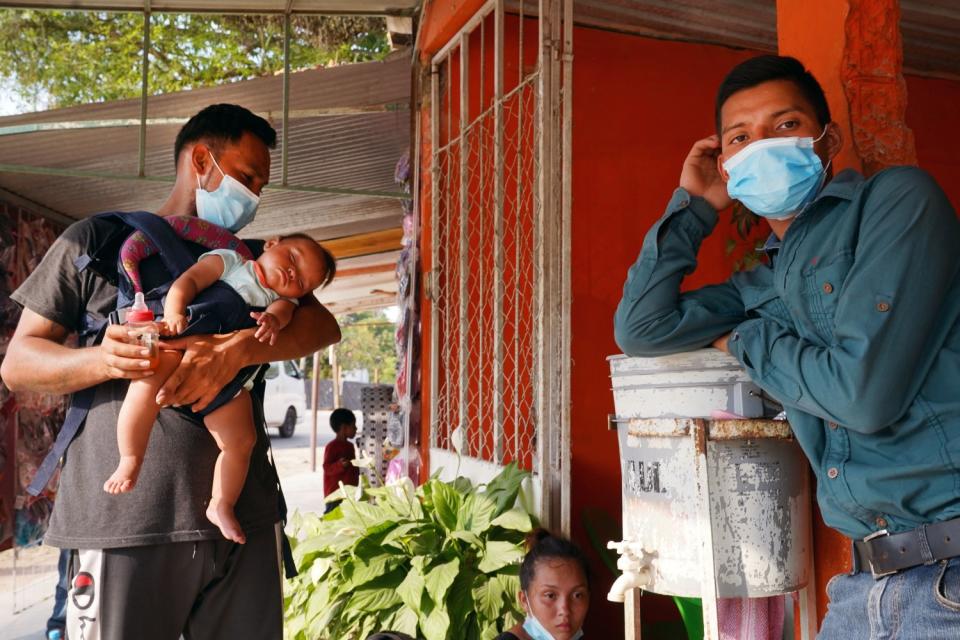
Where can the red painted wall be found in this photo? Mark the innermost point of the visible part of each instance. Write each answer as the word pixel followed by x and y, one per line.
pixel 932 113
pixel 639 104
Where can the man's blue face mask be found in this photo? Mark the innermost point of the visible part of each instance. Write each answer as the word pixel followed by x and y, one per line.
pixel 776 177
pixel 231 205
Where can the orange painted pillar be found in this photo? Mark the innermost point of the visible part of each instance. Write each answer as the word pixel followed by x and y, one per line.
pixel 853 47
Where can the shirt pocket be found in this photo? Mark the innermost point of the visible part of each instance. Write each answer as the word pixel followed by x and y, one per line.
pixel 765 302
pixel 820 291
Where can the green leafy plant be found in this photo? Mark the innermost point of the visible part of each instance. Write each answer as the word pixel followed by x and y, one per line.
pixel 438 562
pixel 747 252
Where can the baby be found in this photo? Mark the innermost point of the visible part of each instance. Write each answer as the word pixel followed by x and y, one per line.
pixel 289 268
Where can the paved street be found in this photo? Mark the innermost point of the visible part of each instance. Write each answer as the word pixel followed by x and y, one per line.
pixel 36 568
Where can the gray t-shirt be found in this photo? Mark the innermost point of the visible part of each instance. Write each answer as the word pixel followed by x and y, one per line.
pixel 173 489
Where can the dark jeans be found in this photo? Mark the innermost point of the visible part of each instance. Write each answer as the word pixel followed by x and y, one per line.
pixel 58 619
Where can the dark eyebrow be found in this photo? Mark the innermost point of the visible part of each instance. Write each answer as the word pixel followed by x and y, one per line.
pixel 786 111
pixel 732 126
pixel 774 115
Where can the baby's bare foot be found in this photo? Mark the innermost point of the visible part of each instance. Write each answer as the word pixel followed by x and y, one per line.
pixel 221 514
pixel 125 477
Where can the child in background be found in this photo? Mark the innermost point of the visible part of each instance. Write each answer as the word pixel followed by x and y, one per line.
pixel 337 455
pixel 289 268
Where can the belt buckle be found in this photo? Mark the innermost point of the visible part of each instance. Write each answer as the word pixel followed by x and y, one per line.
pixel 882 533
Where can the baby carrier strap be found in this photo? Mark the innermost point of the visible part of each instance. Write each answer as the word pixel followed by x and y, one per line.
pixel 176 258
pixel 103 261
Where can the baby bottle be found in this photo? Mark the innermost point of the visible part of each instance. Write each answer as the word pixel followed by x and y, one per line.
pixel 140 322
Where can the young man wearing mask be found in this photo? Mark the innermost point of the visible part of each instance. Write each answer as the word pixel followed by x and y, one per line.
pixel 852 325
pixel 149 564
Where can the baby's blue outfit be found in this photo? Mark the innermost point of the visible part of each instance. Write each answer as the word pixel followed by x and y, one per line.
pixel 241 276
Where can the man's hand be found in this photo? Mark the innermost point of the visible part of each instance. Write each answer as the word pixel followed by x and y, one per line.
pixel 208 364
pixel 700 175
pixel 721 343
pixel 121 356
pixel 269 326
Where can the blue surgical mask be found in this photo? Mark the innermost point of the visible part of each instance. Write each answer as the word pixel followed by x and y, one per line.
pixel 231 205
pixel 538 632
pixel 776 177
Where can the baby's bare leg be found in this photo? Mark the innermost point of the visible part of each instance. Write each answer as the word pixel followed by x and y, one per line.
pixel 137 415
pixel 233 429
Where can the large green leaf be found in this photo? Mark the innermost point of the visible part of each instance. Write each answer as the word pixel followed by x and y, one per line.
pixel 476 513
pixel 446 504
pixel 411 589
pixel 469 537
pixel 438 578
pixel 405 621
pixel 428 541
pixel 504 487
pixel 488 597
pixel 374 599
pixel 499 553
pixel 460 604
pixel 514 519
pixel 435 625
pixel 370 544
pixel 367 571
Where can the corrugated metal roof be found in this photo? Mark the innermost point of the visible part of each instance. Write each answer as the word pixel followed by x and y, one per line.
pixel 357 151
pixel 368 7
pixel 930 27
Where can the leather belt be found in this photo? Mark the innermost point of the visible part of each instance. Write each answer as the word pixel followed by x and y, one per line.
pixel 887 553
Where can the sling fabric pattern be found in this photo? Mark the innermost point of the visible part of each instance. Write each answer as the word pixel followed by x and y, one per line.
pixel 137 247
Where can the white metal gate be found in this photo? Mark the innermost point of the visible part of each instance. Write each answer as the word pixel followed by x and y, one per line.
pixel 499 284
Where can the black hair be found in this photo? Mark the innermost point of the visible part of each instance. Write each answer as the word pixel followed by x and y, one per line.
pixel 341 417
pixel 389 635
pixel 760 69
pixel 329 262
pixel 220 123
pixel 541 545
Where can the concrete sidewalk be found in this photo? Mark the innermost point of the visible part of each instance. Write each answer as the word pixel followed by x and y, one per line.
pixel 36 575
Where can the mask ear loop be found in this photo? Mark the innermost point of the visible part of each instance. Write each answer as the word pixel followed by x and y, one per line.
pixel 200 186
pixel 818 138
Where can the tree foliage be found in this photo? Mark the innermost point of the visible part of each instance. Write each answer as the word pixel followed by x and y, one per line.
pixel 61 58
pixel 368 343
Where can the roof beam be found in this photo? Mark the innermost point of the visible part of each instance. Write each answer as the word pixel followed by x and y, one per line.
pixel 35 207
pixel 79 173
pixel 364 244
pixel 17 129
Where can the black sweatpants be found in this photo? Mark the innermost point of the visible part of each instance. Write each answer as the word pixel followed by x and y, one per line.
pixel 207 590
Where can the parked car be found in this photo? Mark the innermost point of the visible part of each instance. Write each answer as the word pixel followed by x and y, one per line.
pixel 285 396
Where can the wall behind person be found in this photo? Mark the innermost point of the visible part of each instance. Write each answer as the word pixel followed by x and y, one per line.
pixel 932 105
pixel 639 104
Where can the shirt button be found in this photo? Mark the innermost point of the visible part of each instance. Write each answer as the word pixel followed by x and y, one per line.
pixel 883 307
pixel 833 425
pixel 833 472
pixel 827 287
pixel 881 522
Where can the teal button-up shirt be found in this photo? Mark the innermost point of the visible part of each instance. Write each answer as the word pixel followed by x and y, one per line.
pixel 855 328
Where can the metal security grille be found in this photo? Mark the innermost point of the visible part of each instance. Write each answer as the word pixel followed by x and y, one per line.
pixel 486 208
pixel 499 284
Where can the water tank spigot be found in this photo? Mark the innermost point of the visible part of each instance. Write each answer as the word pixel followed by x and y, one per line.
pixel 634 562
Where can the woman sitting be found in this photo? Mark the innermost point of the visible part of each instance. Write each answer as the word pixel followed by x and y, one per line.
pixel 554 590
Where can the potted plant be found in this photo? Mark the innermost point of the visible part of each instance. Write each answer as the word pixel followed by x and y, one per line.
pixel 439 561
